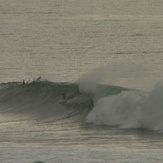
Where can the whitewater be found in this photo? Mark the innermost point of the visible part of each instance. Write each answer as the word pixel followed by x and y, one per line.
pixel 93 84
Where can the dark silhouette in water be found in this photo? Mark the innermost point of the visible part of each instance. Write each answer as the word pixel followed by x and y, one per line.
pixel 64 97
pixel 39 162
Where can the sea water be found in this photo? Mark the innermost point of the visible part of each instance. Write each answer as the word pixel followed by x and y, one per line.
pixel 99 98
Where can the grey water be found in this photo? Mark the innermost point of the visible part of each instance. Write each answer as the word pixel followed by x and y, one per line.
pixel 89 43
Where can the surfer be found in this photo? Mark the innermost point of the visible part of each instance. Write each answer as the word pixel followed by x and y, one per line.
pixel 25 82
pixel 37 80
pixel 64 97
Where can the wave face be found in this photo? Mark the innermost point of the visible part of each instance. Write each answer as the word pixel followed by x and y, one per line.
pixel 90 103
pixel 43 100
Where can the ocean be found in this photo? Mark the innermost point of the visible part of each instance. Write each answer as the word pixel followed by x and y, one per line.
pixel 93 87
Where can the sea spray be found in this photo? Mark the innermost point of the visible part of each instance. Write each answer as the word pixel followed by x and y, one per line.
pixel 92 83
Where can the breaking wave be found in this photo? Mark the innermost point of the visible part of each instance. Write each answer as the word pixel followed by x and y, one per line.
pixel 90 103
pixel 130 109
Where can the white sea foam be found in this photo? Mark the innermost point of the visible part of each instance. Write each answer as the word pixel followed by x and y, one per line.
pixel 130 109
